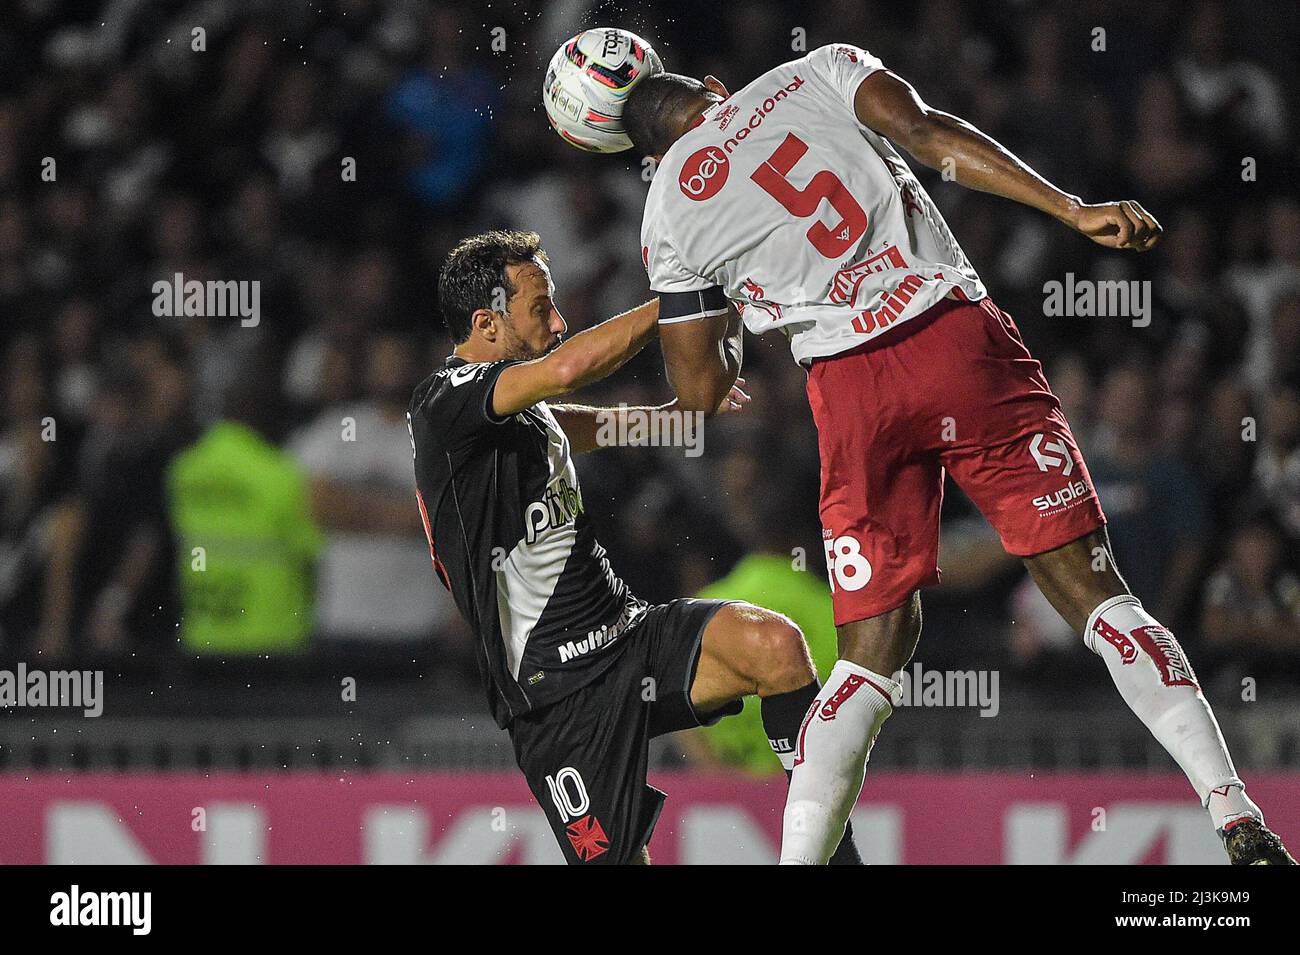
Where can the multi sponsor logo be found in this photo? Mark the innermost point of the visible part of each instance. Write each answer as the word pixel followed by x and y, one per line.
pixel 603 637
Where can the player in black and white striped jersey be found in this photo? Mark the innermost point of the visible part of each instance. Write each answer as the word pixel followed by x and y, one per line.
pixel 579 670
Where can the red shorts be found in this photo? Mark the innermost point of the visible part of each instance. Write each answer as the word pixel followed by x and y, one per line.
pixel 956 389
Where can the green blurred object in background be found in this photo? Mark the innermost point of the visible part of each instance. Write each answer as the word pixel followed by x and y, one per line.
pixel 246 503
pixel 770 580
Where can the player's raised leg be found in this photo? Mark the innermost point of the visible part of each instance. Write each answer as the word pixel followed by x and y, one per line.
pixel 840 728
pixel 1154 677
pixel 748 651
pixel 881 493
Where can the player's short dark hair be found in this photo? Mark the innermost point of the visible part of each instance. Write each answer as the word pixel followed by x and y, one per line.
pixel 652 112
pixel 475 269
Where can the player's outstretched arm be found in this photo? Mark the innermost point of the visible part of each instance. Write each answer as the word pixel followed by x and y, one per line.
pixel 702 359
pixel 889 105
pixel 585 358
pixel 589 428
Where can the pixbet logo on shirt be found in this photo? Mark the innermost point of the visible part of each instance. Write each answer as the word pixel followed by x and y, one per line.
pixel 561 505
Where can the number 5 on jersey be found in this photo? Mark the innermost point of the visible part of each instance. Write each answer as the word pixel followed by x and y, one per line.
pixel 845 564
pixel 833 241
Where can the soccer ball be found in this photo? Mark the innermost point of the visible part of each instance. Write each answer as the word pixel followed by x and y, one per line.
pixel 587 82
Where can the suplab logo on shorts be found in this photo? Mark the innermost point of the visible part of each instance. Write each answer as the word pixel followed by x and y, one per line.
pixel 704 173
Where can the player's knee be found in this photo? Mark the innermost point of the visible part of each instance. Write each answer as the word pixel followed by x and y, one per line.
pixel 776 645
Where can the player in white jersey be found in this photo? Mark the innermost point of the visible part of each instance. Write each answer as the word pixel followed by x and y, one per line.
pixel 788 206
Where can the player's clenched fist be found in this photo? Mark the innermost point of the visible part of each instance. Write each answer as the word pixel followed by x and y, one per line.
pixel 736 398
pixel 1118 225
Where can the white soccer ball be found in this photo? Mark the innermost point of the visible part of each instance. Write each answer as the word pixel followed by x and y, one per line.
pixel 587 83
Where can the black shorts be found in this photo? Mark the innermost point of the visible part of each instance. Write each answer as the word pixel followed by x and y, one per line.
pixel 585 756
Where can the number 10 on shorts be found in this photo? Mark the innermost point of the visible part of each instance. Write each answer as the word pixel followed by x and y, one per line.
pixel 569 793
pixel 846 567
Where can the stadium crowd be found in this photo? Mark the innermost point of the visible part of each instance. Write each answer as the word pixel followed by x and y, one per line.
pixel 333 153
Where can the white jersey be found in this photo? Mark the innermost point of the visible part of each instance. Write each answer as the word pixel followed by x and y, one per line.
pixel 781 201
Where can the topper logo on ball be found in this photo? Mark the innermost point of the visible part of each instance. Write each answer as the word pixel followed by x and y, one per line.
pixel 704 173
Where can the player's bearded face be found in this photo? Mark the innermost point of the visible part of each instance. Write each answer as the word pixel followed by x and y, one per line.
pixel 532 324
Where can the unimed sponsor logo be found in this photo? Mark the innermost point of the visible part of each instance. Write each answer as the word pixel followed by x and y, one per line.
pixel 122 909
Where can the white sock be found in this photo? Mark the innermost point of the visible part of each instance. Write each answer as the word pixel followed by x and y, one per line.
pixel 831 760
pixel 1151 672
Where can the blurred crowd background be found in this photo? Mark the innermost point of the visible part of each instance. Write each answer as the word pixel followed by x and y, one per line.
pixel 334 151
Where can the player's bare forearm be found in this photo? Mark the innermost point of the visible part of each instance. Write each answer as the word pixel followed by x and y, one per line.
pixel 585 358
pixel 980 162
pixel 702 360
pixel 600 351
pixel 589 427
pixel 889 105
